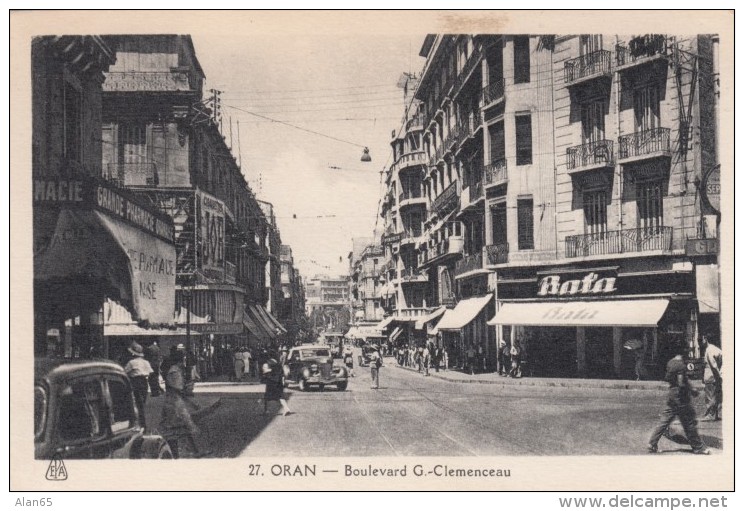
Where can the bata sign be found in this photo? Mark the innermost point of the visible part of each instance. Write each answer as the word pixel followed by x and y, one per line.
pixel 590 284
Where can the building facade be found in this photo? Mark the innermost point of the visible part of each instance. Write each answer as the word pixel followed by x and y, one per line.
pixel 554 179
pixel 97 247
pixel 327 303
pixel 291 312
pixel 162 140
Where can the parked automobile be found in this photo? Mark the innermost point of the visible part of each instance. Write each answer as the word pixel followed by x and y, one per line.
pixel 86 409
pixel 313 366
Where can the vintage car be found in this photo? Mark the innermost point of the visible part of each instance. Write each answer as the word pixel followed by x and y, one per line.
pixel 313 366
pixel 86 410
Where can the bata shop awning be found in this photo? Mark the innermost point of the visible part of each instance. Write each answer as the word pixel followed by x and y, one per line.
pixel 421 322
pixel 129 264
pixel 463 313
pixel 623 313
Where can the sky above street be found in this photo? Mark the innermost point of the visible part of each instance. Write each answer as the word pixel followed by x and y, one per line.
pixel 340 86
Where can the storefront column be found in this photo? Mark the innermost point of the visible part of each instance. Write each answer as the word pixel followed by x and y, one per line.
pixel 581 351
pixel 617 349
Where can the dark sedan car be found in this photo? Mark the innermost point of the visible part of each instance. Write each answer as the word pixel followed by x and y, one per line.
pixel 313 366
pixel 86 409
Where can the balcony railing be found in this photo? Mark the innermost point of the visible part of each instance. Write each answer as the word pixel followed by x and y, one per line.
pixel 469 263
pixel 414 275
pixel 410 194
pixel 448 196
pixel 148 81
pixel 476 191
pixel 495 172
pixel 497 254
pixel 134 174
pixel 590 154
pixel 642 239
pixel 415 123
pixel 493 92
pixel 465 131
pixel 643 143
pixel 415 312
pixel 597 63
pixel 467 69
pixel 641 48
pixel 410 159
pixel 448 246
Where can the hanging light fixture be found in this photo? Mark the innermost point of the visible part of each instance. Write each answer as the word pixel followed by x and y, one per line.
pixel 365 155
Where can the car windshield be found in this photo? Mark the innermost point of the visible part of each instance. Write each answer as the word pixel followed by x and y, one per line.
pixel 315 353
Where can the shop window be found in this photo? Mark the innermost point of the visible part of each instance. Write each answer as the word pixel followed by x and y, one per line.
pixel 525 225
pixel 647 107
pixel 523 124
pixel 650 202
pixel 521 59
pixel 595 212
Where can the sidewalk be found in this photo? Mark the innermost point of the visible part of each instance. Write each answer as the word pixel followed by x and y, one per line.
pixel 457 376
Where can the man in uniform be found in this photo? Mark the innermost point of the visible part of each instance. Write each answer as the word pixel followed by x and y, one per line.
pixel 678 404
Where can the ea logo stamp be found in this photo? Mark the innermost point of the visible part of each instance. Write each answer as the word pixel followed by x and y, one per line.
pixel 56 470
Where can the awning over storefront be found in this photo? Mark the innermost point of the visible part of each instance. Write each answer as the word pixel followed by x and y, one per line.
pixel 421 322
pixel 463 313
pixel 128 264
pixel 396 333
pixel 276 322
pixel 255 330
pixel 257 313
pixel 117 320
pixel 623 313
pixel 382 325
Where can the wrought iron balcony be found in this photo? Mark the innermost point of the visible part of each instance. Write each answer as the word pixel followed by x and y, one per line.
pixel 469 263
pixel 497 254
pixel 415 123
pixel 644 239
pixel 642 49
pixel 647 143
pixel 451 246
pixel 464 75
pixel 597 63
pixel 415 312
pixel 448 196
pixel 409 160
pixel 592 154
pixel 179 79
pixel 493 92
pixel 413 275
pixel 495 172
pixel 134 174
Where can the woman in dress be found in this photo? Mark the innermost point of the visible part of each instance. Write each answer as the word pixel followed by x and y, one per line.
pixel 272 374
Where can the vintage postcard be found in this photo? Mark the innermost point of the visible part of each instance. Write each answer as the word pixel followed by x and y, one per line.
pixel 376 250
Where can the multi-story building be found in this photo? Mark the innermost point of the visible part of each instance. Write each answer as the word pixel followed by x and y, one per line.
pixel 292 307
pixel 561 179
pixel 162 141
pixel 356 305
pixel 327 303
pixel 97 247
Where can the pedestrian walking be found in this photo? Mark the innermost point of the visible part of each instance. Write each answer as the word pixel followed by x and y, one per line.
pixel 154 358
pixel 139 370
pixel 504 362
pixel 176 423
pixel 445 358
pixel 712 379
pixel 375 363
pixel 272 374
pixel 426 356
pixel 678 404
pixel 470 354
pixel 349 360
pixel 238 365
pixel 515 354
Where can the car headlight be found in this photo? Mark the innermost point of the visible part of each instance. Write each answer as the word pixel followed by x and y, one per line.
pixel 341 371
pixel 306 372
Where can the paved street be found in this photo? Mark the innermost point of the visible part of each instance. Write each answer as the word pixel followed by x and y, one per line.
pixel 411 415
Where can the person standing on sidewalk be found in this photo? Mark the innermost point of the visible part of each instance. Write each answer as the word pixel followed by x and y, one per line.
pixel 504 362
pixel 139 370
pixel 678 404
pixel 154 358
pixel 426 356
pixel 471 359
pixel 272 374
pixel 375 363
pixel 515 353
pixel 712 379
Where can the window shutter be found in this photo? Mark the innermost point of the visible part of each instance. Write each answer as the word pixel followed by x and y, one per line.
pixel 525 224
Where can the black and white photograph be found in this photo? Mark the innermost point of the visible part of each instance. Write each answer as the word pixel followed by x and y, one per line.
pixel 372 250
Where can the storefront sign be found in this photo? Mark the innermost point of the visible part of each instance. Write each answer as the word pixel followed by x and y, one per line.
pixel 390 239
pixel 591 283
pixel 218 328
pixel 92 193
pixel 212 228
pixel 701 247
pixel 710 189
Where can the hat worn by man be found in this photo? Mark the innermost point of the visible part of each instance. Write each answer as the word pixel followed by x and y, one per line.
pixel 135 349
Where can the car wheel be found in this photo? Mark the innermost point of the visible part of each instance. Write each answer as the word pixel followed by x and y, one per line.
pixel 342 386
pixel 303 385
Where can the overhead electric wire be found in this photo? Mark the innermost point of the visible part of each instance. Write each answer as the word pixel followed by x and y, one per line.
pixel 270 91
